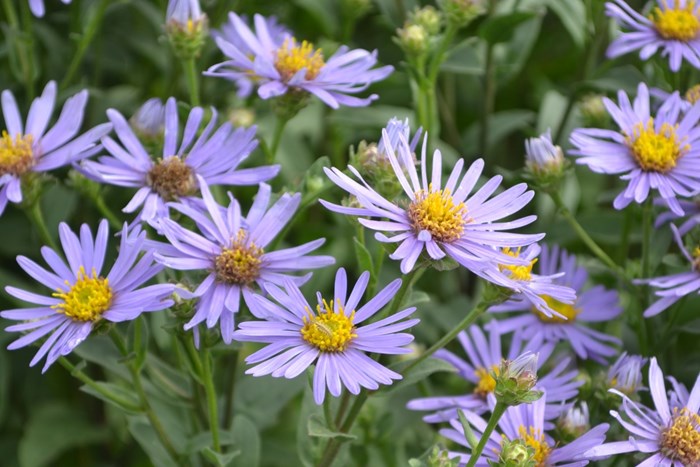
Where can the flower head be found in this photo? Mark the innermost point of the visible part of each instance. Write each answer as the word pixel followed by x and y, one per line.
pixel 37 7
pixel 541 155
pixel 280 64
pixel 670 433
pixel 593 304
pixel 232 249
pixel 149 119
pixel 672 26
pixel 673 287
pixel 626 374
pixel 329 335
pixel 83 294
pixel 660 152
pixel 29 148
pixel 481 369
pixel 212 157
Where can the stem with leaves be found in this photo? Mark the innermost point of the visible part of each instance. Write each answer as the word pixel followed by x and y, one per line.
pixel 36 216
pixel 93 25
pixel 496 415
pixel 210 390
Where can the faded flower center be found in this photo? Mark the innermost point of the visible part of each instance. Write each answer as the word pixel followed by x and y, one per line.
pixel 171 178
pixel 437 213
pixel 535 439
pixel 675 21
pixel 239 264
pixel 486 384
pixel 692 95
pixel 328 331
pixel 517 272
pixel 564 309
pixel 681 441
pixel 656 151
pixel 291 58
pixel 16 155
pixel 87 299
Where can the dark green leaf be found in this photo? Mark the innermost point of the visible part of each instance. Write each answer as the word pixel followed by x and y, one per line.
pixel 501 28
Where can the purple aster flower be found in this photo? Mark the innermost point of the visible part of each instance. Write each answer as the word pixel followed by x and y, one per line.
pixel 83 295
pixel 575 421
pixel 692 215
pixel 526 422
pixel 441 220
pixel 212 157
pixel 31 148
pixel 675 286
pixel 593 304
pixel 541 154
pixel 278 64
pixel 232 250
pixel 330 337
pixel 672 26
pixel 149 119
pixel 671 434
pixel 184 12
pixel 660 152
pixel 37 7
pixel 230 34
pixel 484 357
pixel 688 100
pixel 626 374
pixel 395 129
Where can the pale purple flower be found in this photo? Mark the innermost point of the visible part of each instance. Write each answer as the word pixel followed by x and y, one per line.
pixel 149 119
pixel 212 156
pixel 672 26
pixel 232 249
pixel 593 304
pixel 542 154
pixel 395 129
pixel 37 7
pixel 278 64
pixel 691 216
pixel 183 11
pixel 670 433
pixel 81 294
pixel 31 148
pixel 625 374
pixel 659 152
pixel 484 356
pixel 330 337
pixel 673 287
pixel 526 422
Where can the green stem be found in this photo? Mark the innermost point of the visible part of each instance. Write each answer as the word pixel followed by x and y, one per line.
pixel 208 381
pixel 327 413
pixel 21 49
pixel 75 372
pixel 271 152
pixel 37 218
pixel 496 415
pixel 647 223
pixel 90 30
pixel 583 235
pixel 28 20
pixel 192 80
pixel 489 91
pixel 230 388
pixel 429 87
pixel 101 206
pixel 344 401
pixel 334 444
pixel 406 286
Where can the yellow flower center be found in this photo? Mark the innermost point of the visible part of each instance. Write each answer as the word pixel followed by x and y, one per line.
pixel 239 264
pixel 292 57
pixel 16 155
pixel 692 95
pixel 517 272
pixel 486 384
pixel 535 439
pixel 171 178
pixel 87 299
pixel 681 441
pixel 328 331
pixel 437 213
pixel 565 309
pixel 656 152
pixel 676 22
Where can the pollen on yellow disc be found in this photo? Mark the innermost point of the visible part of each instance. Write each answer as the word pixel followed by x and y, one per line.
pixel 87 299
pixel 567 310
pixel 486 384
pixel 676 22
pixel 681 440
pixel 437 213
pixel 291 58
pixel 240 264
pixel 329 331
pixel 16 155
pixel 517 272
pixel 535 439
pixel 656 151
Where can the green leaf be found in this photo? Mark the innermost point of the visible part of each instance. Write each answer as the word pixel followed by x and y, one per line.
pixel 364 258
pixel 119 391
pixel 468 432
pixel 246 440
pixel 623 78
pixel 572 14
pixel 144 434
pixel 137 339
pixel 463 59
pixel 54 429
pixel 317 428
pixel 218 459
pixel 500 28
pixel 424 369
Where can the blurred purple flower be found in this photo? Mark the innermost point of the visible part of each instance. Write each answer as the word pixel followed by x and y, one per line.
pixel 626 374
pixel 37 7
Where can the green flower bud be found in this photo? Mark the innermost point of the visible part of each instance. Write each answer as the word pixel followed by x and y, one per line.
pixel 428 17
pixel 242 118
pixel 515 453
pixel 413 39
pixel 515 380
pixel 462 12
pixel 593 111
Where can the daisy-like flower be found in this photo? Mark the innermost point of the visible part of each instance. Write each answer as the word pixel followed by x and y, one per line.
pixel 526 422
pixel 484 358
pixel 279 64
pixel 542 155
pixel 212 157
pixel 691 217
pixel 232 250
pixel 625 375
pixel 441 220
pixel 31 148
pixel 37 7
pixel 670 433
pixel 660 152
pixel 245 82
pixel 672 288
pixel 672 26
pixel 83 295
pixel 593 304
pixel 330 337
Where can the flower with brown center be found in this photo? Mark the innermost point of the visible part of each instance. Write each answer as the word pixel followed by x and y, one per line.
pixel 172 178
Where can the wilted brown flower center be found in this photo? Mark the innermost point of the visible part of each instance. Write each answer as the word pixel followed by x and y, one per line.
pixel 171 178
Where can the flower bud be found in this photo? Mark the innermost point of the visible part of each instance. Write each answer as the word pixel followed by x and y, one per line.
pixel 149 119
pixel 544 162
pixel 186 26
pixel 692 95
pixel 516 379
pixel 462 12
pixel 428 17
pixel 574 422
pixel 515 453
pixel 626 374
pixel 413 39
pixel 593 111
pixel 242 118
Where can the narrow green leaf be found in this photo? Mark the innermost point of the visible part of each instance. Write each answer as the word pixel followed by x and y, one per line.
pixel 317 428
